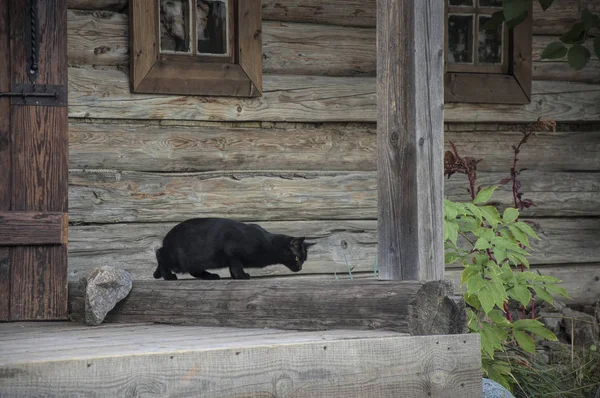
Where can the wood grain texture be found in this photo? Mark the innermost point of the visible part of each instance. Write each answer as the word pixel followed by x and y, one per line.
pixel 200 146
pixel 340 245
pixel 240 363
pixel 250 41
pixel 410 139
pixel 101 39
pixel 40 167
pixel 561 16
pixel 110 5
pixel 32 228
pixel 284 303
pixel 108 196
pixel 143 40
pixel 5 155
pixel 102 93
pixel 97 38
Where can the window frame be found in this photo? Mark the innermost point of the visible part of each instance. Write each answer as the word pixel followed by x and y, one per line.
pixel 513 87
pixel 237 75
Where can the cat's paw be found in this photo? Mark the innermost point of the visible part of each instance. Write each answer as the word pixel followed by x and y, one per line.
pixel 170 277
pixel 246 276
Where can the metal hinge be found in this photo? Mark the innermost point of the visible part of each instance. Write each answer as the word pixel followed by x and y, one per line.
pixel 37 94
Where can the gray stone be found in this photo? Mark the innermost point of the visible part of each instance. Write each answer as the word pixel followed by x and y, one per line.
pixel 585 327
pixel 104 288
pixel 552 321
pixel 491 389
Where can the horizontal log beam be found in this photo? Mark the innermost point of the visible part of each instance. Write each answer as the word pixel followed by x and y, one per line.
pixel 105 196
pixel 99 93
pixel 340 245
pixel 203 146
pixel 20 228
pixel 408 307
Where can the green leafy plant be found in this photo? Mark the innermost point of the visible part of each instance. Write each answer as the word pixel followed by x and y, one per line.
pixel 491 247
pixel 570 44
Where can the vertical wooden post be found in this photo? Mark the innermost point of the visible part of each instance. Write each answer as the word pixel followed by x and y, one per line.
pixel 410 119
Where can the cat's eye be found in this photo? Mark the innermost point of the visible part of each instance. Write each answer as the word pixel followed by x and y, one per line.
pixel 297 259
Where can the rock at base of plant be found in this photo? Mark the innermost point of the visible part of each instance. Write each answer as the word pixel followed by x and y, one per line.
pixel 104 288
pixel 491 389
pixel 551 320
pixel 584 326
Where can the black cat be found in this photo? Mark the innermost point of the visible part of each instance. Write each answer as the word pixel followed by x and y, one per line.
pixel 199 244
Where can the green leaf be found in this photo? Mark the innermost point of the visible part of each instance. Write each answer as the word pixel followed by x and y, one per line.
pixel 499 254
pixel 554 50
pixel 543 333
pixel 495 375
pixel 543 294
pixel 557 290
pixel 472 300
pixel 525 341
pixel 515 11
pixel 474 210
pixel 578 56
pixel 510 214
pixel 491 215
pixel 575 35
pixel 545 279
pixel 486 298
pixel 597 46
pixel 545 4
pixel 519 235
pixel 494 22
pixel 450 231
pixel 507 272
pixel 450 258
pixel 588 19
pixel 526 324
pixel 450 212
pixel 498 317
pixel 526 229
pixel 475 284
pixel 484 195
pixel 468 273
pixel 482 244
pixel 520 293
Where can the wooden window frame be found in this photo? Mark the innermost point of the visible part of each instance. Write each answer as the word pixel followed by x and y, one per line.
pixel 513 87
pixel 236 75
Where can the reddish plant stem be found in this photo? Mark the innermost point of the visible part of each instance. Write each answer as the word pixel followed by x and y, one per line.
pixel 508 316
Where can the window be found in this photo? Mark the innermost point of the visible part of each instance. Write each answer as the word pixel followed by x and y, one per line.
pixel 196 47
pixel 486 65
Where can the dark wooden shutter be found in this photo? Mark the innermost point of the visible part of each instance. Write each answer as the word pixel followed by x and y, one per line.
pixel 33 161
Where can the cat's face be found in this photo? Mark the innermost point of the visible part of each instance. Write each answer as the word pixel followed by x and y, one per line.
pixel 296 254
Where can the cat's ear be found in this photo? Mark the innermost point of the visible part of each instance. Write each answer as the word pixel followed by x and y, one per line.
pixel 309 244
pixel 296 242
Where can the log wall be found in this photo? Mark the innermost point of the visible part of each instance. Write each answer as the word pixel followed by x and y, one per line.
pixel 301 158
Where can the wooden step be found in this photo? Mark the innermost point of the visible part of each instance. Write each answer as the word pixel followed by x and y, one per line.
pixel 151 360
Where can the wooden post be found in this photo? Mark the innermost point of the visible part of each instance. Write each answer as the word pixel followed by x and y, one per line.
pixel 410 117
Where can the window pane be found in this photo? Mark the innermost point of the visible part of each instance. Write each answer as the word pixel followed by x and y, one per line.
pixel 211 18
pixel 490 3
pixel 174 25
pixel 490 43
pixel 461 3
pixel 460 39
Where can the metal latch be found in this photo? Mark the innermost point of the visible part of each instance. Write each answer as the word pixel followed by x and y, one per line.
pixel 37 94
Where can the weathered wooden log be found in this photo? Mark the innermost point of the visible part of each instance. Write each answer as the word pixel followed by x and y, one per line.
pixel 19 228
pixel 404 306
pixel 99 93
pixel 104 196
pixel 203 146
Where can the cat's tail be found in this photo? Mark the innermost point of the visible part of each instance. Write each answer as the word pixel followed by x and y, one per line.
pixel 161 260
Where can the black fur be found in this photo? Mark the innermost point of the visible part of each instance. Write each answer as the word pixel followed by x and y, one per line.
pixel 200 244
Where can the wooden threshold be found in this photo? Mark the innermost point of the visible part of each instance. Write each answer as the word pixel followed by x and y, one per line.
pixel 115 360
pixel 287 303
